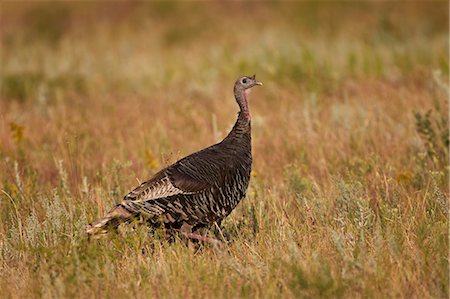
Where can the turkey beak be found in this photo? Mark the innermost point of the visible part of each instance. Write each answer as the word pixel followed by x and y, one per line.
pixel 256 81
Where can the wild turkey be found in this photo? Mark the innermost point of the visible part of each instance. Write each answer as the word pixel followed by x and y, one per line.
pixel 198 190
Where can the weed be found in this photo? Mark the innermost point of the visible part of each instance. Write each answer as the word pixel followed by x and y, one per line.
pixel 20 86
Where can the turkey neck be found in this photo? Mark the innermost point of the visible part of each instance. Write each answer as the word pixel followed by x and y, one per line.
pixel 240 134
pixel 239 139
pixel 242 127
pixel 241 98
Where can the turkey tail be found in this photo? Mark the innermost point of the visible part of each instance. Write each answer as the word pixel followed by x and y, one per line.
pixel 110 221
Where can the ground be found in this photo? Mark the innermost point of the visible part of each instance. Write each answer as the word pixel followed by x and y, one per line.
pixel 349 189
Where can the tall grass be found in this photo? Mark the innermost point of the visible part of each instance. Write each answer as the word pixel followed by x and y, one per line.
pixel 349 192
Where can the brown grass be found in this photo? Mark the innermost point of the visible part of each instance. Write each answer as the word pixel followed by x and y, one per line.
pixel 349 193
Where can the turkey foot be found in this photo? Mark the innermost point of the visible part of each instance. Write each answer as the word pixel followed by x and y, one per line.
pixel 186 230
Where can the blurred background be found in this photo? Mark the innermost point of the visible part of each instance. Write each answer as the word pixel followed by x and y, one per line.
pixel 124 63
pixel 93 47
pixel 349 129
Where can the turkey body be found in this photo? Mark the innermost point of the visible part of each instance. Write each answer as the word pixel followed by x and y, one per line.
pixel 201 188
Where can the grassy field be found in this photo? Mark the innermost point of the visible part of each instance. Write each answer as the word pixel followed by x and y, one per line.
pixel 349 190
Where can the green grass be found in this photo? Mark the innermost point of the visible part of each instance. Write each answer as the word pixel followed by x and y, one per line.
pixel 349 191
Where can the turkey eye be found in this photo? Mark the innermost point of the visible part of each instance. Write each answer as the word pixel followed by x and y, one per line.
pixel 244 81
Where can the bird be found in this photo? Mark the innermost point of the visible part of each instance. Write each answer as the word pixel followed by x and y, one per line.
pixel 199 190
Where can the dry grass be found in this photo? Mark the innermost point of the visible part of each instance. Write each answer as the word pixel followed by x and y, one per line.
pixel 349 195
